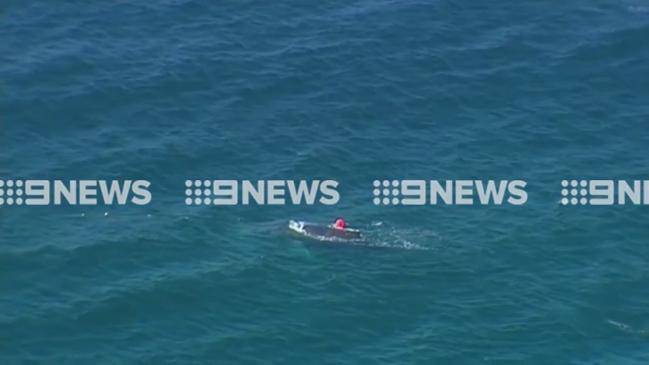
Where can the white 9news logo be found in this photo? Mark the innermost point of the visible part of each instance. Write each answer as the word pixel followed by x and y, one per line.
pixel 74 192
pixel 449 192
pixel 604 192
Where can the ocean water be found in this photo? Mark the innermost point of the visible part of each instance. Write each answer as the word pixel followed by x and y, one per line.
pixel 352 91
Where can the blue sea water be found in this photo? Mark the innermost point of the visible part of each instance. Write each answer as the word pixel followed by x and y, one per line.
pixel 346 90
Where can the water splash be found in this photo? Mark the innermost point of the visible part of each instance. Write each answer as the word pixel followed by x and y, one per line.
pixel 628 329
pixel 382 235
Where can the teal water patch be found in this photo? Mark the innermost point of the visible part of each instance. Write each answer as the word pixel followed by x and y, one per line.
pixel 350 91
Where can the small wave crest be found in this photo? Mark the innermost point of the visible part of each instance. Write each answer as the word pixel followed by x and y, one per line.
pixel 381 234
pixel 638 9
pixel 628 329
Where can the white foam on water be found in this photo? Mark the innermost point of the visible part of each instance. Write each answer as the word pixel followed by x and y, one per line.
pixel 628 329
pixel 380 236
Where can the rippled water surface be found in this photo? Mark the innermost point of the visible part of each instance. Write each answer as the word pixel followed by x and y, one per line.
pixel 351 91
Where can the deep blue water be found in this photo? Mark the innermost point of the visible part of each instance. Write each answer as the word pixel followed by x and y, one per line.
pixel 352 91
